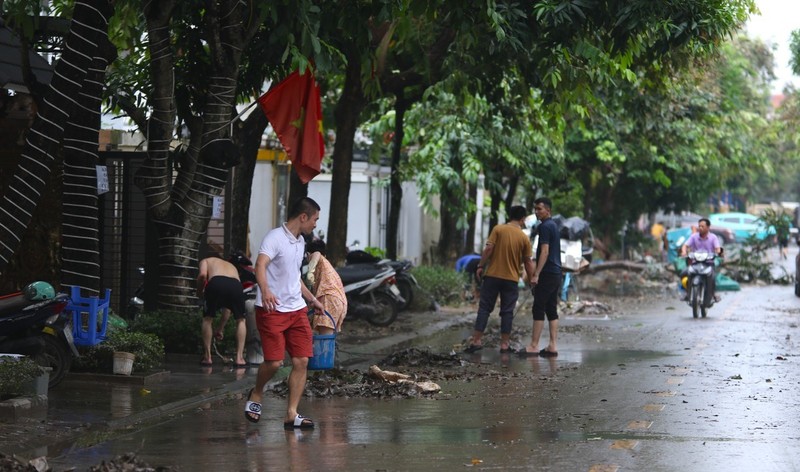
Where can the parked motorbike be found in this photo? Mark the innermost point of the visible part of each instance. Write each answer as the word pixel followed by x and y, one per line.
pixel 700 269
pixel 136 302
pixel 33 323
pixel 247 273
pixel 406 282
pixel 372 292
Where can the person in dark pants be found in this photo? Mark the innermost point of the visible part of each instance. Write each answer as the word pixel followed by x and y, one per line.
pixel 506 251
pixel 546 280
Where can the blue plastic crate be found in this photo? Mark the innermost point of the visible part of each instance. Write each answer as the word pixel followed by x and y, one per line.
pixel 89 317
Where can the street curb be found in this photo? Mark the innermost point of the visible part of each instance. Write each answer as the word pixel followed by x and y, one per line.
pixel 236 387
pixel 15 409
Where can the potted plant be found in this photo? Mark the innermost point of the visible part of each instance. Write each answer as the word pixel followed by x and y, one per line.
pixel 144 352
pixel 20 376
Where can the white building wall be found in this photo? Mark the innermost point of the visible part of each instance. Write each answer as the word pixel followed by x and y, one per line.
pixel 367 213
pixel 360 216
pixel 262 204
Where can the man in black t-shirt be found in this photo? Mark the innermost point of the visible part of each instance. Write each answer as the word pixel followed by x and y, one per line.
pixel 546 280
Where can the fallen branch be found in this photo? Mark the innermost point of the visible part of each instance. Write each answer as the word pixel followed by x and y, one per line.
pixel 396 377
pixel 626 265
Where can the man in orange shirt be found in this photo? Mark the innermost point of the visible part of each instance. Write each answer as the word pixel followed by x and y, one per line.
pixel 506 251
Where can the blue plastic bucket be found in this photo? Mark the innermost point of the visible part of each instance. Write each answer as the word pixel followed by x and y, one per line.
pixel 324 349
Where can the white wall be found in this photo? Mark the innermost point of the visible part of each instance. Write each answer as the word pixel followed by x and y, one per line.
pixel 367 213
pixel 262 204
pixel 360 215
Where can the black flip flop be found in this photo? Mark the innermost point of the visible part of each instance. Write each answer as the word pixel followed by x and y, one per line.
pixel 546 353
pixel 472 348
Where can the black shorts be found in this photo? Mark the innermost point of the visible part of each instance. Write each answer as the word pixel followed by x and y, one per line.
pixel 224 292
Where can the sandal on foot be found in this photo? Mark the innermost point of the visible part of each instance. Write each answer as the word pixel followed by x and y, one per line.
pixel 300 422
pixel 546 353
pixel 527 353
pixel 252 410
pixel 473 348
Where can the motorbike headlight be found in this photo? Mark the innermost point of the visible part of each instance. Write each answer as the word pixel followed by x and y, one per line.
pixel 701 256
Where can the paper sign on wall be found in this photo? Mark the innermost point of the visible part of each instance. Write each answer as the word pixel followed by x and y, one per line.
pixel 216 211
pixel 102 179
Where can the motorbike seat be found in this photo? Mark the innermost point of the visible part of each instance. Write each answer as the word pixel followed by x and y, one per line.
pixel 358 272
pixel 13 303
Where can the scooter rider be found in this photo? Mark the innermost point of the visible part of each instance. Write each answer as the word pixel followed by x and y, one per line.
pixel 703 240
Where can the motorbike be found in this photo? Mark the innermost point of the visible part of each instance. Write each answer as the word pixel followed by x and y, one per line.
pixel 247 273
pixel 700 269
pixel 406 282
pixel 136 303
pixel 372 292
pixel 40 328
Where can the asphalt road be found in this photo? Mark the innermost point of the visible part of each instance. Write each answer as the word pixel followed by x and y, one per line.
pixel 644 387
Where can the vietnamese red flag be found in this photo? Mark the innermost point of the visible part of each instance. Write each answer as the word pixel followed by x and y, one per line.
pixel 294 109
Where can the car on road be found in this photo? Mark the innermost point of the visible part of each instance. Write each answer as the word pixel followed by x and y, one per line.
pixel 742 224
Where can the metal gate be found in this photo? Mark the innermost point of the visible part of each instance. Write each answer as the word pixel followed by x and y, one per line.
pixel 124 228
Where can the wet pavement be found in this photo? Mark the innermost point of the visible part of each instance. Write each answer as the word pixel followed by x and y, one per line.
pixel 643 387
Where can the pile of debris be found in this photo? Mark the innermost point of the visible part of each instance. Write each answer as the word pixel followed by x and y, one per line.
pixel 375 383
pixel 124 463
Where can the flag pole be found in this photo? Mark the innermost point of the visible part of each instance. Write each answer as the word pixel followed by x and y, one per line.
pixel 247 108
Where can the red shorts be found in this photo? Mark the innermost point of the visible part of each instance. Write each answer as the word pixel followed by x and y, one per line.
pixel 284 332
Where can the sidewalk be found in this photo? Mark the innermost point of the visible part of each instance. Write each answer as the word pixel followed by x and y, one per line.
pixel 91 404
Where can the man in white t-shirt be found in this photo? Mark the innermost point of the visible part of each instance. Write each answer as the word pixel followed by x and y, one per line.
pixel 281 310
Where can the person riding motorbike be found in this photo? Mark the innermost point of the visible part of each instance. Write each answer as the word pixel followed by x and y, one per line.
pixel 703 240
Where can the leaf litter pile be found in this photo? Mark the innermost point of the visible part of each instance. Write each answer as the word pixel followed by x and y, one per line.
pixel 123 463
pixel 407 372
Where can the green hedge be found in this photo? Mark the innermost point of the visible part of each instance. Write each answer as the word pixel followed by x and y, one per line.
pixel 443 284
pixel 147 347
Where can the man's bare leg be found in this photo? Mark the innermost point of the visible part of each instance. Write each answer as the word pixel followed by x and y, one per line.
pixel 476 338
pixel 505 338
pixel 226 314
pixel 553 326
pixel 241 335
pixel 538 327
pixel 205 330
pixel 266 371
pixel 297 384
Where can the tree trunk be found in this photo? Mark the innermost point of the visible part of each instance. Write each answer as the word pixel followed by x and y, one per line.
pixel 297 189
pixel 80 231
pixel 450 236
pixel 87 30
pixel 181 214
pixel 248 137
pixel 347 114
pixel 396 187
pixel 494 212
pixel 513 182
pixel 469 243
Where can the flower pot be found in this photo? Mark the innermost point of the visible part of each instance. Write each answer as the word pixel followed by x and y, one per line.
pixel 40 383
pixel 123 363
